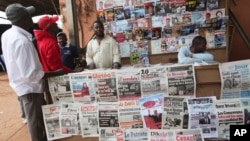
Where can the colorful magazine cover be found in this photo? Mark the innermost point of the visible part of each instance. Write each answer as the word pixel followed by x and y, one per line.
pixel 160 8
pixel 190 5
pixel 183 41
pixel 124 49
pixel 156 21
pixel 100 4
pixel 149 9
pixel 101 15
pixel 117 3
pixel 220 38
pixel 119 13
pixel 180 6
pixel 143 22
pixel 167 21
pixel 134 58
pixel 147 33
pixel 212 4
pixel 139 12
pixel 209 35
pixel 201 5
pixel 163 44
pixel 172 45
pixel 127 3
pixel 109 14
pixel 108 4
pixel 167 32
pixel 156 46
pixel 156 33
pixel 127 13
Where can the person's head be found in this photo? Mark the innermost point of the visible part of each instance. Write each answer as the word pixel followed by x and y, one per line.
pixel 198 44
pixel 227 83
pixel 208 16
pixel 219 14
pixel 98 28
pixel 19 15
pixel 61 38
pixel 48 23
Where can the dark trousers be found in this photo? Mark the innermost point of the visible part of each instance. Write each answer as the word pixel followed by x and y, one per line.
pixel 32 103
pixel 22 107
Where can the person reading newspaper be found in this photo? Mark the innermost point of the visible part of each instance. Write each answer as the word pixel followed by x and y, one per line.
pixel 195 53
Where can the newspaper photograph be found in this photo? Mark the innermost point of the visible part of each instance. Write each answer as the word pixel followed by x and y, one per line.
pixel 89 120
pixel 129 114
pixel 188 134
pixel 82 87
pixel 111 134
pixel 245 104
pixel 153 80
pixel 108 114
pixel 69 118
pixel 136 134
pixel 59 87
pixel 173 112
pixel 227 117
pixel 181 80
pixel 128 84
pixel 203 115
pixel 51 121
pixel 105 86
pixel 151 111
pixel 161 135
pixel 235 79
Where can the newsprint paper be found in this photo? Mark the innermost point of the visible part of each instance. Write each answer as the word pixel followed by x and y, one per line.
pixel 154 80
pixel 51 121
pixel 245 104
pixel 129 114
pixel 111 134
pixel 59 87
pixel 235 78
pixel 108 114
pixel 151 110
pixel 89 120
pixel 181 80
pixel 173 112
pixel 82 87
pixel 136 134
pixel 128 84
pixel 105 86
pixel 229 112
pixel 202 115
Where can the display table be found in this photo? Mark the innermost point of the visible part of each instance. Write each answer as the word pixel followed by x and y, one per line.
pixel 208 84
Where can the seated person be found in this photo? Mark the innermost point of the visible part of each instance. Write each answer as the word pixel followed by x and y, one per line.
pixel 196 53
pixel 102 50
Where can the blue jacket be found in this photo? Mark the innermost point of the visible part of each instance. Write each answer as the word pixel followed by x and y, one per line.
pixel 68 55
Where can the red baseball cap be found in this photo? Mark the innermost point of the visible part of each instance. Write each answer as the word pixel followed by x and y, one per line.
pixel 45 22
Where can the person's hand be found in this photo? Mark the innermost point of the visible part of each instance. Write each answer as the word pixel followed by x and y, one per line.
pixel 116 65
pixel 91 66
pixel 60 72
pixel 190 55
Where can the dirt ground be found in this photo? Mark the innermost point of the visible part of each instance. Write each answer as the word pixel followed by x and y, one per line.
pixel 12 128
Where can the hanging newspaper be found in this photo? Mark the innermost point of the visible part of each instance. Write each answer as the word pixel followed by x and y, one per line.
pixel 151 111
pixel 51 121
pixel 82 87
pixel 181 80
pixel 235 79
pixel 154 80
pixel 108 114
pixel 173 112
pixel 245 104
pixel 59 87
pixel 188 134
pixel 128 84
pixel 129 114
pixel 161 135
pixel 69 118
pixel 136 134
pixel 229 112
pixel 89 120
pixel 202 115
pixel 111 134
pixel 105 86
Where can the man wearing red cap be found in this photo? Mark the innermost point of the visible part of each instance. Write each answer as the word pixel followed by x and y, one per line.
pixel 47 45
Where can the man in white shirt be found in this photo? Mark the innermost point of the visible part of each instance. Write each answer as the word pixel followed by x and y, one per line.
pixel 25 71
pixel 102 50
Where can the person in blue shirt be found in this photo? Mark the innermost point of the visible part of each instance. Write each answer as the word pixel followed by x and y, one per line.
pixel 195 53
pixel 68 51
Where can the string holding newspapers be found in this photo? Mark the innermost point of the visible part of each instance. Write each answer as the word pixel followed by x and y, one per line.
pixel 112 109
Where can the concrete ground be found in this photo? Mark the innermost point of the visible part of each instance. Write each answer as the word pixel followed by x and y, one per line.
pixel 11 125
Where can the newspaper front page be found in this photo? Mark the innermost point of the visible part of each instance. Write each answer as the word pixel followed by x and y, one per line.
pixel 69 118
pixel 229 111
pixel 203 115
pixel 105 86
pixel 153 80
pixel 173 112
pixel 108 114
pixel 151 111
pixel 188 134
pixel 82 87
pixel 161 135
pixel 181 80
pixel 129 114
pixel 59 87
pixel 235 78
pixel 136 134
pixel 89 120
pixel 245 104
pixel 111 134
pixel 51 121
pixel 128 84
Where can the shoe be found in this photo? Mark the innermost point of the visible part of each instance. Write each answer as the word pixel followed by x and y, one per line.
pixel 24 120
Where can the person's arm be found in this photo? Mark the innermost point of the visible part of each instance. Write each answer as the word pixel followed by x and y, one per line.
pixel 89 55
pixel 54 59
pixel 186 57
pixel 203 56
pixel 116 54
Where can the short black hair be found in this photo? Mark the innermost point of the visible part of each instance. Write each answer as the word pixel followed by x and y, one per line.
pixel 198 40
pixel 218 12
pixel 61 34
pixel 98 22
